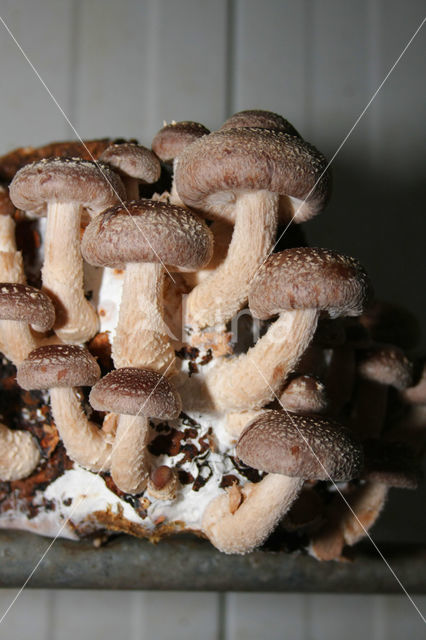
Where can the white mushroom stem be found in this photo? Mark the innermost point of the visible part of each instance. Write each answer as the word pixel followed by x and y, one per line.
pixel 16 340
pixel 219 296
pixel 62 273
pixel 235 422
pixel 84 442
pixel 19 454
pixel 142 337
pixel 174 196
pixel 251 380
pixel 349 524
pixel 7 234
pixel 247 527
pixel 222 234
pixel 129 468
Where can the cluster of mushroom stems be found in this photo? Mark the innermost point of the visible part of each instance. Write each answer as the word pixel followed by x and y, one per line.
pixel 306 403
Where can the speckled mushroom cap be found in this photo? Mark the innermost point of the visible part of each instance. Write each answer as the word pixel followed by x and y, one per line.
pixel 18 158
pixel 58 365
pixel 92 185
pixel 387 365
pixel 133 391
pixel 304 393
pixel 307 278
pixel 133 160
pixel 28 304
pixel 170 141
pixel 147 231
pixel 309 447
pixel 259 118
pixel 251 159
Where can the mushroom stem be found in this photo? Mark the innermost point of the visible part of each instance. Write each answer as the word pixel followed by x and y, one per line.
pixel 129 468
pixel 62 273
pixel 19 454
pixel 7 233
pixel 142 337
pixel 12 267
pixel 219 296
pixel 84 441
pixel 251 380
pixel 16 340
pixel 247 527
pixel 132 187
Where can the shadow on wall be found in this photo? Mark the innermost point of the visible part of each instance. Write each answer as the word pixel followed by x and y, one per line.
pixel 378 218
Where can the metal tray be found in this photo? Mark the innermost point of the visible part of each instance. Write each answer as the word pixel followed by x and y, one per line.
pixel 188 563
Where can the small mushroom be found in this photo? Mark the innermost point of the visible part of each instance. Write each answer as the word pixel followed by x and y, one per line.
pixel 19 454
pixel 169 143
pixel 20 307
pixel 62 188
pixel 60 368
pixel 237 175
pixel 378 369
pixel 134 163
pixel 290 449
pixel 298 284
pixel 260 119
pixel 163 483
pixel 304 394
pixel 135 394
pixel 155 234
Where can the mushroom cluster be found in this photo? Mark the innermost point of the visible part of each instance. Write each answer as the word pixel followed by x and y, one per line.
pixel 193 376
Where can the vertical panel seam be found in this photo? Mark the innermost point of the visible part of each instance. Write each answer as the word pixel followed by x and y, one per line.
pixel 74 64
pixel 230 59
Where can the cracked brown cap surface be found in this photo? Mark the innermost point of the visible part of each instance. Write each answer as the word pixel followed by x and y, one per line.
pixel 307 278
pixel 261 119
pixel 133 160
pixel 59 365
pixel 133 391
pixel 172 139
pixel 303 446
pixel 92 185
pixel 27 304
pixel 386 365
pixel 148 231
pixel 253 159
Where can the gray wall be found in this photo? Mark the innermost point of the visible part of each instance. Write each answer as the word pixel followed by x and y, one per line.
pixel 120 69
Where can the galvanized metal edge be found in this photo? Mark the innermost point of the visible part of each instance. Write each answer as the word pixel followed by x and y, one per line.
pixel 187 563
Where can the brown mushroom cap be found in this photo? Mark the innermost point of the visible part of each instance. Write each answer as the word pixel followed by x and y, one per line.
pixel 147 231
pixel 309 447
pixel 59 365
pixel 391 463
pixel 307 278
pixel 261 119
pixel 170 141
pixel 92 185
pixel 18 158
pixel 386 365
pixel 304 394
pixel 133 160
pixel 28 304
pixel 132 391
pixel 251 159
